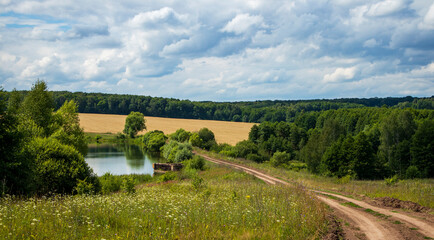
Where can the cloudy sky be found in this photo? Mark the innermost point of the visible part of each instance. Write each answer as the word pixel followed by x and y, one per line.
pixel 221 50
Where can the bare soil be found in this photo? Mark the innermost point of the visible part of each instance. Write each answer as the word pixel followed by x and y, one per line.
pixel 396 203
pixel 364 222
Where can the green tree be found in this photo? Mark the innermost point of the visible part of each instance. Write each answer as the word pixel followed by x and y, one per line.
pixel 15 168
pixel 154 140
pixel 38 105
pixel 364 157
pixel 67 127
pixel 134 123
pixel 207 137
pixel 422 148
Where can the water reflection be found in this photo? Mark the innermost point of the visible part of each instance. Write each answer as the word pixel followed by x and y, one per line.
pixel 120 159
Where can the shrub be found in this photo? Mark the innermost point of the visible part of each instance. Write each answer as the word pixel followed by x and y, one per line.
pixel 84 187
pixel 168 176
pixel 392 180
pixel 197 183
pixel 110 183
pixel 412 172
pixel 154 140
pixel 197 163
pixel 207 137
pixel 128 185
pixel 245 148
pixel 280 158
pixel 254 157
pixel 177 152
pixel 58 167
pixel 180 135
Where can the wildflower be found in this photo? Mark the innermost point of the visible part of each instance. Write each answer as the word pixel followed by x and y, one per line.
pixel 247 196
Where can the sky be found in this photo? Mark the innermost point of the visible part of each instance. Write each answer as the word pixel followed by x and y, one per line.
pixel 238 50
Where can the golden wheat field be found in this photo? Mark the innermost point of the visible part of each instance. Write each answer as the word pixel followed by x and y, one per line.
pixel 225 132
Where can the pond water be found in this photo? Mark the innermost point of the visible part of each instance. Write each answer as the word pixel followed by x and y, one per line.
pixel 119 159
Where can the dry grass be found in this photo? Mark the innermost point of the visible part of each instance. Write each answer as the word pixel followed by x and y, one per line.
pixel 225 132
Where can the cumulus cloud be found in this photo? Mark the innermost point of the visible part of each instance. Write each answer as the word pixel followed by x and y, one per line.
pixel 242 23
pixel 217 50
pixel 340 74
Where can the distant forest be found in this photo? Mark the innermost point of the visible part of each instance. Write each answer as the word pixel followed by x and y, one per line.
pixel 254 111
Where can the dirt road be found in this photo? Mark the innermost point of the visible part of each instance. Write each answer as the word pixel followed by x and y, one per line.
pixel 367 221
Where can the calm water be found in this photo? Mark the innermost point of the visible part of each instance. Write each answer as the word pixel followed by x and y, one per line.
pixel 119 159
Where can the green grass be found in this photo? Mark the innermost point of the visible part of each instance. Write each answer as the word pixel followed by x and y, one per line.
pixel 228 205
pixel 418 190
pixel 351 204
pixel 375 213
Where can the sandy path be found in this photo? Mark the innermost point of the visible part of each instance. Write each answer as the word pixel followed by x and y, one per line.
pixel 372 227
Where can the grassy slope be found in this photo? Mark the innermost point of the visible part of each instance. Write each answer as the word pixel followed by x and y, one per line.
pixel 227 205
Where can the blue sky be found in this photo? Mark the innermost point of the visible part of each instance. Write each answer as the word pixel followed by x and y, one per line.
pixel 221 50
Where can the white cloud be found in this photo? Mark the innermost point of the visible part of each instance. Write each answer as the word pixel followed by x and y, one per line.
pixel 340 74
pixel 242 23
pixel 220 50
pixel 428 20
pixel 384 8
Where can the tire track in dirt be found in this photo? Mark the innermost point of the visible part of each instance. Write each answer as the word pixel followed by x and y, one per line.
pixel 367 223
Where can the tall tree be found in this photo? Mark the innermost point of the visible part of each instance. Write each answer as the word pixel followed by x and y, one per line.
pixel 422 148
pixel 38 105
pixel 134 123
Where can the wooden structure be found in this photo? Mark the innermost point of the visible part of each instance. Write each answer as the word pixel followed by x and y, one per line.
pixel 165 167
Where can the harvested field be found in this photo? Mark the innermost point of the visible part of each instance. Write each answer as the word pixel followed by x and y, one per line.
pixel 225 132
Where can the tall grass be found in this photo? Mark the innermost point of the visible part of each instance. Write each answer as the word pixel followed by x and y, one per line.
pixel 228 205
pixel 420 191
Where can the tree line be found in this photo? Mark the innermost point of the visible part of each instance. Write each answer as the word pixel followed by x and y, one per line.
pixel 362 143
pixel 255 111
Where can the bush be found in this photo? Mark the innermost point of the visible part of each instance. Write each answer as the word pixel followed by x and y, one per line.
pixel 198 183
pixel 412 172
pixel 280 158
pixel 254 157
pixel 392 180
pixel 110 183
pixel 197 163
pixel 58 167
pixel 154 140
pixel 207 137
pixel 180 135
pixel 84 187
pixel 195 140
pixel 168 176
pixel 245 148
pixel 177 152
pixel 128 185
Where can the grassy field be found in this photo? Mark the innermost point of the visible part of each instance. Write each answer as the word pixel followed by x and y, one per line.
pixel 226 205
pixel 225 132
pixel 420 191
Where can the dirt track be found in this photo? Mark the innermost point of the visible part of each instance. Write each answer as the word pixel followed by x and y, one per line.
pixel 365 226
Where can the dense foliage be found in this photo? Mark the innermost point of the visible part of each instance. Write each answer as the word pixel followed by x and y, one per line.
pixel 134 123
pixel 41 150
pixel 365 143
pixel 257 111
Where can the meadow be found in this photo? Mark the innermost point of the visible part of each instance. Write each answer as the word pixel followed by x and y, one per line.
pixel 224 204
pixel 225 132
pixel 420 191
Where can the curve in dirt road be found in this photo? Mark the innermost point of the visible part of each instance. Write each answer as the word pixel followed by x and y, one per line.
pixel 369 225
pixel 423 227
